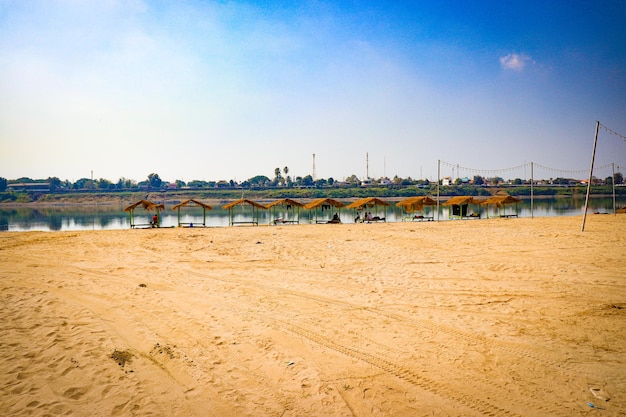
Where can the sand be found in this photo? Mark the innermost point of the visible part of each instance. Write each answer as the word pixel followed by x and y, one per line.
pixel 499 317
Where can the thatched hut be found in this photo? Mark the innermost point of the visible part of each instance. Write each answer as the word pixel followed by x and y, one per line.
pixel 244 204
pixel 500 201
pixel 325 205
pixel 148 206
pixel 413 208
pixel 459 207
pixel 192 203
pixel 288 211
pixel 367 203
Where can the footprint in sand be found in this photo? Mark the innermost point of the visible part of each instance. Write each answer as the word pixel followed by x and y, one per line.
pixel 599 393
pixel 75 393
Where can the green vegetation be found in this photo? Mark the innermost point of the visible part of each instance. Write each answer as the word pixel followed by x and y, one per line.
pixel 53 190
pixel 268 193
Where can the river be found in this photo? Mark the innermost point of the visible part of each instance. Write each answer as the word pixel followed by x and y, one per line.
pixel 108 217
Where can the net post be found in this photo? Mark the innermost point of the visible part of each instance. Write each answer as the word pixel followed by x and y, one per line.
pixel 593 156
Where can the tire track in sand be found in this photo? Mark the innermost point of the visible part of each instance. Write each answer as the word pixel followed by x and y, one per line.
pixel 386 362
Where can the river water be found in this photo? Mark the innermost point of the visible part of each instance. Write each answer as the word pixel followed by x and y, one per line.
pixel 108 217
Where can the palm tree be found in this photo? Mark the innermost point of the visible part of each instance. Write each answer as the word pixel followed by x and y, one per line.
pixel 277 176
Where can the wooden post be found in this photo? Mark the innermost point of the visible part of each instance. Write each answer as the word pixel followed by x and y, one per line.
pixel 438 181
pixel 593 157
pixel 532 196
pixel 613 183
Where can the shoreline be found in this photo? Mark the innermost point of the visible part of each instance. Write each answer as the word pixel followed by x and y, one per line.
pixel 213 201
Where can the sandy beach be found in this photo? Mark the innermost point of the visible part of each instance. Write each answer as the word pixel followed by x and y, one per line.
pixel 498 317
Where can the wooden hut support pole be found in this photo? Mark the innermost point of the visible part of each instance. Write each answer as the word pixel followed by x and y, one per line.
pixel 593 157
pixel 438 182
pixel 532 195
pixel 613 182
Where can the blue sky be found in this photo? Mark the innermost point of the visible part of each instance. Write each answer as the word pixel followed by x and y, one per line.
pixel 217 90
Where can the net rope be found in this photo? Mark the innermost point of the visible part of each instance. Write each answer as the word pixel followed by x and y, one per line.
pixel 612 132
pixel 526 166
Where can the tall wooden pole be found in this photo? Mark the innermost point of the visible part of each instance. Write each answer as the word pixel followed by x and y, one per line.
pixel 593 157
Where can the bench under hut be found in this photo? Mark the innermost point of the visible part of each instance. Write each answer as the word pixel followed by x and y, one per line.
pixel 361 206
pixel 288 211
pixel 148 206
pixel 459 207
pixel 500 202
pixel 325 205
pixel 192 203
pixel 413 208
pixel 244 204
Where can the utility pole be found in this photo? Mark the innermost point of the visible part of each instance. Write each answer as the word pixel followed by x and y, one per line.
pixel 314 176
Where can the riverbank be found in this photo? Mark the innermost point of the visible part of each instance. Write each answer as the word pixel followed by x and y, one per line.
pixel 510 317
pixel 225 195
pixel 172 199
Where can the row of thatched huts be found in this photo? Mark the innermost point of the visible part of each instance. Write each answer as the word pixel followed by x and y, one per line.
pixel 412 209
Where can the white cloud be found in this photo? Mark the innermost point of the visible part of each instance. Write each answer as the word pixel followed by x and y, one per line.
pixel 515 62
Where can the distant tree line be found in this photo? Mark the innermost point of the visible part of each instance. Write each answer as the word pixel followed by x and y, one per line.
pixel 281 179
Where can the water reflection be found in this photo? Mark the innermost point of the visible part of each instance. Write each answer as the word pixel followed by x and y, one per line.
pixel 57 218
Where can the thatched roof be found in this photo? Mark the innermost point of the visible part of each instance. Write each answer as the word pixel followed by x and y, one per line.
pixel 285 202
pixel 500 200
pixel 416 203
pixel 243 202
pixel 146 204
pixel 460 200
pixel 192 203
pixel 324 202
pixel 621 210
pixel 367 202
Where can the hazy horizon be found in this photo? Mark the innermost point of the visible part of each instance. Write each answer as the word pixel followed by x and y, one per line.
pixel 526 171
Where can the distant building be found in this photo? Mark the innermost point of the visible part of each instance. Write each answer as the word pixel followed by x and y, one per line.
pixel 33 187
